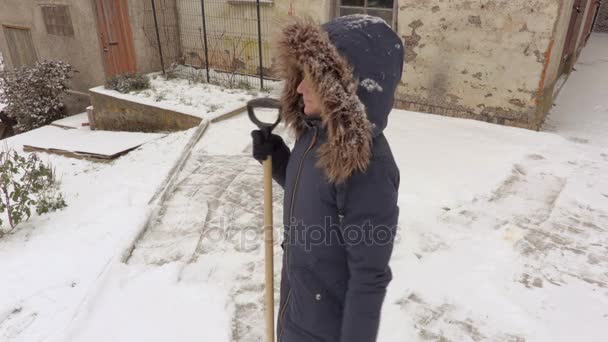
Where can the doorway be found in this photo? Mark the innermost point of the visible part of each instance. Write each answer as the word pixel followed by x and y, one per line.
pixel 115 36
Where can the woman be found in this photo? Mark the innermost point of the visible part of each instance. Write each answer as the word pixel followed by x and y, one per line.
pixel 341 181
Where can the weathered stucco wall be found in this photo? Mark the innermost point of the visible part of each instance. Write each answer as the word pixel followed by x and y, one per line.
pixel 144 36
pixel 318 10
pixel 81 50
pixel 601 25
pixel 478 59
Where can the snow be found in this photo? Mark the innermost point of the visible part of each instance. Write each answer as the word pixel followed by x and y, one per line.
pixel 124 311
pixel 371 85
pixel 77 121
pixel 202 100
pixel 206 108
pixel 502 235
pixel 358 21
pixel 55 264
pixel 86 141
pixel 238 129
pixel 2 105
pixel 584 118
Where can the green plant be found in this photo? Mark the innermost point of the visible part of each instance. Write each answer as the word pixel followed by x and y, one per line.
pixel 125 83
pixel 33 93
pixel 26 184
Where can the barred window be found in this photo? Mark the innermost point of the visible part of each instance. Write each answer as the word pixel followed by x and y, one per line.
pixel 57 20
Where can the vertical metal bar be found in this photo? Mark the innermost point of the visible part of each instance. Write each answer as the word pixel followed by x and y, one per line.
pixel 205 40
pixel 260 45
pixel 160 48
pixel 395 16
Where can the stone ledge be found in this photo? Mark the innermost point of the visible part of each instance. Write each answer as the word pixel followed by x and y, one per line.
pixel 115 114
pixel 458 113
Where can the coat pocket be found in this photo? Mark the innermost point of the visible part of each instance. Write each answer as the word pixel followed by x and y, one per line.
pixel 315 309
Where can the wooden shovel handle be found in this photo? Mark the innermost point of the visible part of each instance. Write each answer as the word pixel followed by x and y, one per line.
pixel 269 249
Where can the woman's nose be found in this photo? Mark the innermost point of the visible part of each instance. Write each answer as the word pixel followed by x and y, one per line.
pixel 300 89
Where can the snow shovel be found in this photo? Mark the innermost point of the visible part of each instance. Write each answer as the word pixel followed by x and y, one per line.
pixel 267 128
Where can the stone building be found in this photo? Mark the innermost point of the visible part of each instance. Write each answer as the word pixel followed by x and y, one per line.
pixel 501 61
pixel 99 38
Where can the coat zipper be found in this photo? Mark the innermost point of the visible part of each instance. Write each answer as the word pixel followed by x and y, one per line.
pixel 293 197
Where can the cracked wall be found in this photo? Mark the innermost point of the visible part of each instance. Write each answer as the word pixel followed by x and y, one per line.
pixel 489 60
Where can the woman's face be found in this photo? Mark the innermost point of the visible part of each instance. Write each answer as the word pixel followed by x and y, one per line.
pixel 312 101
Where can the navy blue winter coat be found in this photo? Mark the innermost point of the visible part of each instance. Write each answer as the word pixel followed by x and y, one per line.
pixel 341 181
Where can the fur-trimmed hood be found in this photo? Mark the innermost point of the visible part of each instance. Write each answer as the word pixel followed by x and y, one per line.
pixel 355 63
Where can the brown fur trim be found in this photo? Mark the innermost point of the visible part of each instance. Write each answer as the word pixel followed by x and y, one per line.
pixel 305 47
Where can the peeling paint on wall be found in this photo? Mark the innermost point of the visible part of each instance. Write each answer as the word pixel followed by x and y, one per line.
pixel 541 84
pixel 475 20
pixel 412 41
pixel 481 59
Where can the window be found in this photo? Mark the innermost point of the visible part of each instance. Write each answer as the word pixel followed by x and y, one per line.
pixel 384 9
pixel 57 20
pixel 20 46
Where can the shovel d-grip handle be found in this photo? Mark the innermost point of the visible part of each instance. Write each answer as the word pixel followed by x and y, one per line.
pixel 268 103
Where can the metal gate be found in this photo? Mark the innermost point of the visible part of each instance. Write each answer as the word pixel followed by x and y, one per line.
pixel 116 37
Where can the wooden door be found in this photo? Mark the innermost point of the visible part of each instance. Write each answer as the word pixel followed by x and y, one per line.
pixel 115 36
pixel 20 46
pixel 576 20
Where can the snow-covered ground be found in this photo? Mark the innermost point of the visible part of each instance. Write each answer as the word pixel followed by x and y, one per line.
pixel 2 105
pixel 189 95
pixel 55 263
pixel 503 235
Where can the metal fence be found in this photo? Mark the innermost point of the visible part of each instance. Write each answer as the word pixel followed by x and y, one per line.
pixel 217 41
